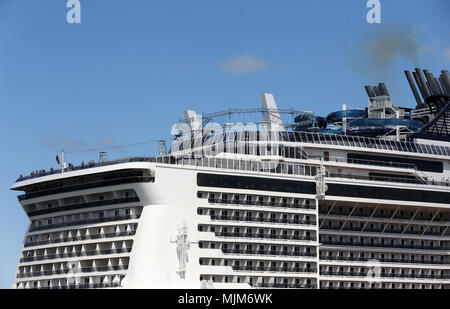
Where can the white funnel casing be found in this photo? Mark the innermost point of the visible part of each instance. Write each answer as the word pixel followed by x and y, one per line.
pixel 194 120
pixel 272 117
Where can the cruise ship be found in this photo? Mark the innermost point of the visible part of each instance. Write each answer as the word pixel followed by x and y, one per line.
pixel 357 199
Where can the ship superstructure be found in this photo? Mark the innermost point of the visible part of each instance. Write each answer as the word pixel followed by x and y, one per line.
pixel 357 199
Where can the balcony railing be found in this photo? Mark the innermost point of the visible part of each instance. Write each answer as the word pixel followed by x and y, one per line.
pixel 376 245
pixel 83 205
pixel 74 254
pixel 91 165
pixel 375 216
pixel 87 185
pixel 383 260
pixel 283 285
pixel 268 252
pixel 379 230
pixel 390 164
pixel 384 275
pixel 265 220
pixel 261 203
pixel 231 164
pixel 81 286
pixel 265 236
pixel 77 238
pixel 85 221
pixel 66 271
pixel 390 179
pixel 275 269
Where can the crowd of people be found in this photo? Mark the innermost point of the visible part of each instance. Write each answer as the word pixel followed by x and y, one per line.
pixel 70 166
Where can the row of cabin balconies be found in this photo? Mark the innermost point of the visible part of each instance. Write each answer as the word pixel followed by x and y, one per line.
pixel 257 200
pixel 260 249
pixel 268 252
pixel 262 281
pixel 84 205
pixel 383 245
pixel 385 272
pixel 109 281
pixel 81 286
pixel 327 284
pixel 103 248
pixel 384 275
pixel 259 232
pixel 394 240
pixel 81 234
pixel 260 266
pixel 75 254
pixel 81 202
pixel 419 226
pixel 81 238
pixel 70 268
pixel 87 185
pixel 258 216
pixel 86 218
pixel 391 228
pixel 74 270
pixel 383 258
pixel 269 202
pixel 387 214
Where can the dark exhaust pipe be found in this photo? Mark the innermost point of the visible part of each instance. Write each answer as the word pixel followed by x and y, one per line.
pixel 383 89
pixel 424 84
pixel 414 89
pixel 370 91
pixel 446 79
pixel 431 83
pixel 377 92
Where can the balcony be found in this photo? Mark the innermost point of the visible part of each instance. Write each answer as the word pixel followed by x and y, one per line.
pixel 84 205
pixel 74 254
pixel 384 217
pixel 379 230
pixel 268 252
pixel 283 285
pixel 258 219
pixel 384 260
pixel 264 236
pixel 78 238
pixel 66 271
pixel 82 286
pixel 87 185
pixel 275 269
pixel 383 275
pixel 375 245
pixel 261 203
pixel 85 221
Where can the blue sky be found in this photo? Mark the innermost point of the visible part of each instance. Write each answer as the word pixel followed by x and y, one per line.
pixel 126 73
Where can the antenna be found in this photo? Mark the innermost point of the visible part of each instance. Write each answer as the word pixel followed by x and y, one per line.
pixel 162 148
pixel 102 157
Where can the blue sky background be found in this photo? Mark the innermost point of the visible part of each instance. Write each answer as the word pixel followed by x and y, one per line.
pixel 126 73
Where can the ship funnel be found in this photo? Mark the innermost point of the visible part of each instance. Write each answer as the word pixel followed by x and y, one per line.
pixel 370 92
pixel 193 120
pixel 383 89
pixel 445 81
pixel 414 89
pixel 423 85
pixel 270 113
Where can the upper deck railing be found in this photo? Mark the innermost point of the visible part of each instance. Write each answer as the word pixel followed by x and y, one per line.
pixel 90 165
pixel 257 166
pixel 368 142
pixel 245 138
pixel 256 140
